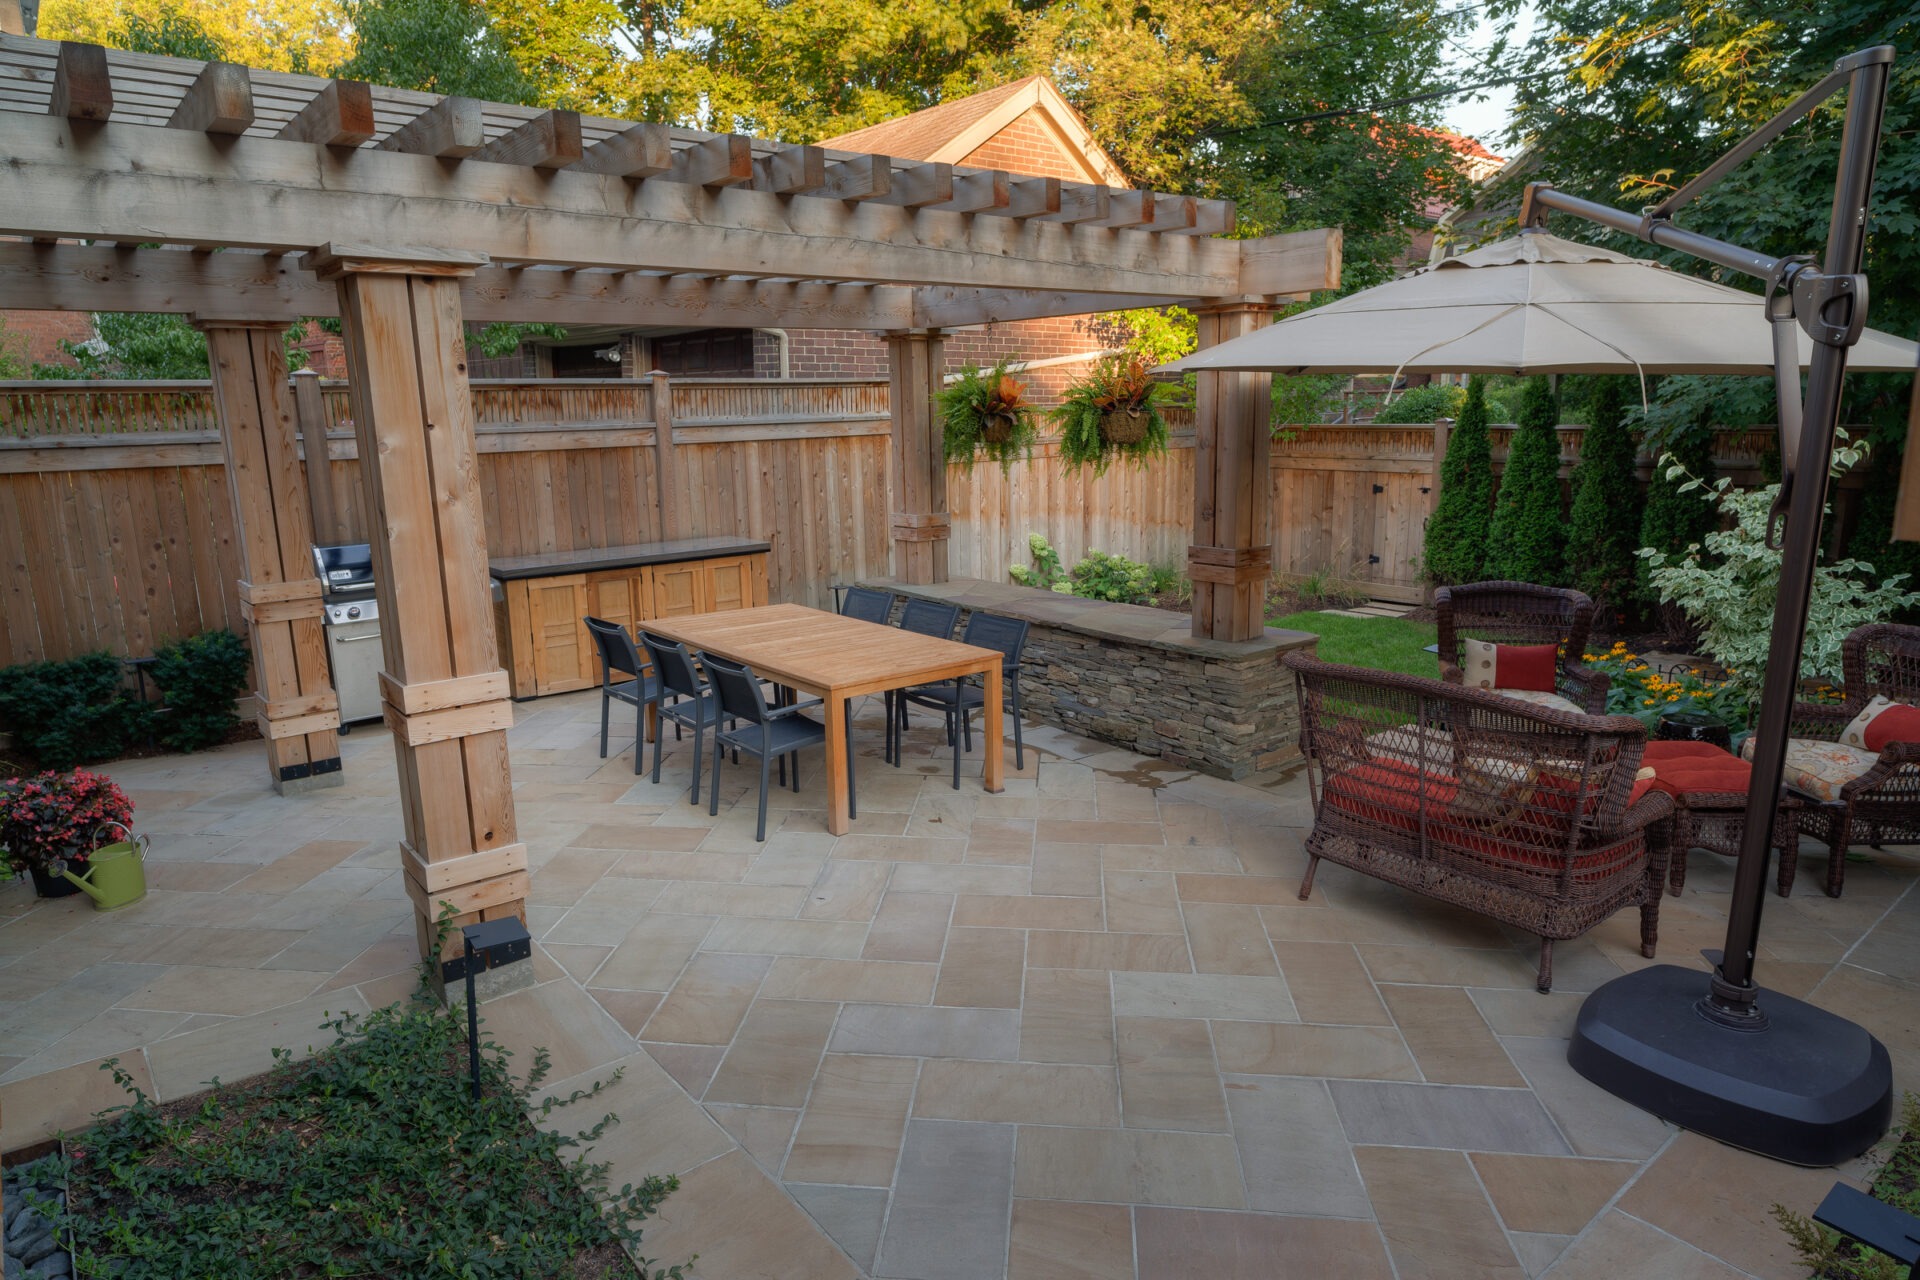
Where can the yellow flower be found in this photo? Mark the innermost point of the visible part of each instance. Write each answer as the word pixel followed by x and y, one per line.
pixel 1649 702
pixel 1673 697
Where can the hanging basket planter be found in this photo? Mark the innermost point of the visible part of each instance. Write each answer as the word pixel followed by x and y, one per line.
pixel 996 428
pixel 1124 426
pixel 986 411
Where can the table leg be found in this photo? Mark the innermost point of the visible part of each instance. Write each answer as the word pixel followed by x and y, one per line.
pixel 653 721
pixel 837 764
pixel 992 766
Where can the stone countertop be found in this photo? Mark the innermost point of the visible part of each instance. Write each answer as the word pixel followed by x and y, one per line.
pixel 1125 623
pixel 554 563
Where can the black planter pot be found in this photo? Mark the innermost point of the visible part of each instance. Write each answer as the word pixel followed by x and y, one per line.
pixel 1694 726
pixel 52 886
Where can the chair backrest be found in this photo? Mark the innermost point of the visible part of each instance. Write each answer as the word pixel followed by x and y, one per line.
pixel 737 688
pixel 1881 658
pixel 675 665
pixel 930 618
pixel 867 604
pixel 991 631
pixel 617 652
pixel 1512 613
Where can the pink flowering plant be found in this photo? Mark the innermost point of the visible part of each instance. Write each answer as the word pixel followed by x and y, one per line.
pixel 52 818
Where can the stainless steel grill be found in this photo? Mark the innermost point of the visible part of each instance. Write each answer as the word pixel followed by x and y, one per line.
pixel 352 627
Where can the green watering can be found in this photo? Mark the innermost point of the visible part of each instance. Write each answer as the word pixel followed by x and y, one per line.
pixel 116 874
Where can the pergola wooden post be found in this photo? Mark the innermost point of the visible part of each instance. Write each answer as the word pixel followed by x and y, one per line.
pixel 443 692
pixel 1231 558
pixel 279 594
pixel 918 471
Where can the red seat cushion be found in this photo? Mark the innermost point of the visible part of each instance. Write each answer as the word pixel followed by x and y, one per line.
pixel 1682 769
pixel 1659 752
pixel 1588 864
pixel 1387 793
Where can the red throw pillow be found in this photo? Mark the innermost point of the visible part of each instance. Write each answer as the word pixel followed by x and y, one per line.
pixel 1525 666
pixel 1898 723
pixel 1640 788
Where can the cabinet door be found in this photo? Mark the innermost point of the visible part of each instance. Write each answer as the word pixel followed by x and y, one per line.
pixel 679 589
pixel 560 652
pixel 616 597
pixel 729 583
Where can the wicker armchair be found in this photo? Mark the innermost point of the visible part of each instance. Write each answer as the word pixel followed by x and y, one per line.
pixel 1882 805
pixel 1521 813
pixel 1522 613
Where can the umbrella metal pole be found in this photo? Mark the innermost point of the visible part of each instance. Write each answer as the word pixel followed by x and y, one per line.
pixel 1734 991
pixel 1759 1069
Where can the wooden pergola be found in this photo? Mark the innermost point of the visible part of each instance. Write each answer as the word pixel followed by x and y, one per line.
pixel 248 199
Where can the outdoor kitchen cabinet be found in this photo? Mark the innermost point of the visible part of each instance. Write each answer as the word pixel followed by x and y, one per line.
pixel 539 601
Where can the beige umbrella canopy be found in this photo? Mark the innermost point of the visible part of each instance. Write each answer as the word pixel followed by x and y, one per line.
pixel 1535 304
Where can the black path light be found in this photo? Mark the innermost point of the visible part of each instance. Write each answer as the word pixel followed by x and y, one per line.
pixel 1726 1057
pixel 487 944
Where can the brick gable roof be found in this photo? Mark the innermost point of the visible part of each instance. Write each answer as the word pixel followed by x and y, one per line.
pixel 955 130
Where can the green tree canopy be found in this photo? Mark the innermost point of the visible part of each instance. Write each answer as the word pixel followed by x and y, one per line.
pixel 1639 99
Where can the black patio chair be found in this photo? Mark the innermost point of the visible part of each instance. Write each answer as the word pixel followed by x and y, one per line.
pixel 763 731
pixel 866 604
pixel 692 703
pixel 619 656
pixel 959 699
pixel 927 618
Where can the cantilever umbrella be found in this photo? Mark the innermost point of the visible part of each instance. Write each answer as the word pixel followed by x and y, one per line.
pixel 1534 304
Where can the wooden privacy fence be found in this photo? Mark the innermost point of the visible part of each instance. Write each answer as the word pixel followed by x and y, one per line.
pixel 116 529
pixel 1350 500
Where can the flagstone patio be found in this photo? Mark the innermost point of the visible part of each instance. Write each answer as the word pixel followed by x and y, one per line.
pixel 1080 1029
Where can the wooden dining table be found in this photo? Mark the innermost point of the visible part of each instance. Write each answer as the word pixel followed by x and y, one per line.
pixel 835 659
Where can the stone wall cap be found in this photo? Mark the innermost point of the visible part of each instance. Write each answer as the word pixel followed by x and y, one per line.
pixel 1101 619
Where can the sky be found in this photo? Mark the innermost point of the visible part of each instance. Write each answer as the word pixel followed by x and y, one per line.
pixel 1486 117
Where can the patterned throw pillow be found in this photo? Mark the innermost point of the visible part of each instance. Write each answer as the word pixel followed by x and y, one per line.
pixel 1509 666
pixel 1883 721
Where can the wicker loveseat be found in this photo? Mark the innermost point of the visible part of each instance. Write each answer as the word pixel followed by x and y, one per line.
pixel 1522 613
pixel 1521 813
pixel 1852 793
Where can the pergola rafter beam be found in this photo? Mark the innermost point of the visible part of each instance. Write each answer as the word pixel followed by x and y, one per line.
pixel 340 115
pixel 639 152
pixel 130 182
pixel 450 128
pixel 548 141
pixel 220 100
pixel 82 85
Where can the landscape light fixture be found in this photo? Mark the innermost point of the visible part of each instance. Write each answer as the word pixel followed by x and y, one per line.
pixel 1726 1057
pixel 489 943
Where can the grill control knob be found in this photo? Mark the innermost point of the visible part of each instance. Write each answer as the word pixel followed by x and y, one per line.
pixel 354 611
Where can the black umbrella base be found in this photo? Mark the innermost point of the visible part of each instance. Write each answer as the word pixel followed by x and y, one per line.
pixel 1810 1088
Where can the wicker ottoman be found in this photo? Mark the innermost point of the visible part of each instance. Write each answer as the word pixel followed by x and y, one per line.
pixel 1716 820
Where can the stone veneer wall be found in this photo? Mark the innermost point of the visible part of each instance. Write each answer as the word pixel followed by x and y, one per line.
pixel 1136 677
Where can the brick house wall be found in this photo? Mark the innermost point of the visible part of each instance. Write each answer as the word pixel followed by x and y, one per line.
pixel 35 336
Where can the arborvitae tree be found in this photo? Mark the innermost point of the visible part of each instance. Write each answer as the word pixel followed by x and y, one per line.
pixel 1673 521
pixel 1529 537
pixel 1456 546
pixel 1604 530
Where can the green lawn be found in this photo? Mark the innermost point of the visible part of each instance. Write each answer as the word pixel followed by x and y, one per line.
pixel 1386 644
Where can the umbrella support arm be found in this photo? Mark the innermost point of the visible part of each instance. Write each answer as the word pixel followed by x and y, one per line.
pixel 1789 1080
